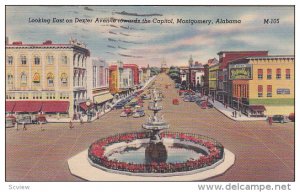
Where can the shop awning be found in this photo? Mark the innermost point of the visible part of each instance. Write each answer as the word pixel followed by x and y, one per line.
pixel 9 106
pixel 55 106
pixel 102 98
pixel 28 106
pixel 84 106
pixel 257 107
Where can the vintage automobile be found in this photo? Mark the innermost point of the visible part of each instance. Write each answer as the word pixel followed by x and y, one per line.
pixel 177 86
pixel 204 104
pixel 138 113
pixel 186 92
pixel 292 117
pixel 189 98
pixel 146 97
pixel 25 119
pixel 126 112
pixel 120 104
pixel 39 119
pixel 10 121
pixel 175 101
pixel 279 119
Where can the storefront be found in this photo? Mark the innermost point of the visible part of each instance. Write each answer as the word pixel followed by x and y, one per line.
pixel 102 102
pixel 255 111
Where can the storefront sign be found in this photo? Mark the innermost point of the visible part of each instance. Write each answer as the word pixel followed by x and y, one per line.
pixel 283 91
pixel 240 71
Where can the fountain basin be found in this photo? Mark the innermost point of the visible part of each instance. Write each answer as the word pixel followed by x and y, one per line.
pixel 156 126
pixel 130 154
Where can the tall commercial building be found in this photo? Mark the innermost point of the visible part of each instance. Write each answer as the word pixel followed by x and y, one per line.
pixel 263 84
pixel 224 85
pixel 47 77
pixel 98 84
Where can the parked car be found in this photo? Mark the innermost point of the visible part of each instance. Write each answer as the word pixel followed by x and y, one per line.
pixel 10 121
pixel 175 101
pixel 39 119
pixel 189 98
pixel 279 119
pixel 25 119
pixel 131 104
pixel 138 113
pixel 204 104
pixel 292 117
pixel 119 105
pixel 126 112
pixel 146 97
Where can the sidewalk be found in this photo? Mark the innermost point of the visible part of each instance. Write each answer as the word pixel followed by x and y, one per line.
pixel 146 84
pixel 228 112
pixel 67 120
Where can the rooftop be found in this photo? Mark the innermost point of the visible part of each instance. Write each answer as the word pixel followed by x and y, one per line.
pixel 264 57
pixel 221 52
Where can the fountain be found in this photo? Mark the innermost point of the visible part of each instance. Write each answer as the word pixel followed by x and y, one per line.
pixel 156 153
pixel 155 124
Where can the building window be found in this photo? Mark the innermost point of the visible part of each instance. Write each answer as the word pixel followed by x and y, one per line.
pixel 64 95
pixel 269 73
pixel 50 95
pixel 282 91
pixel 260 90
pixel 10 79
pixel 260 74
pixel 10 60
pixel 64 79
pixel 36 78
pixel 23 79
pixel 37 95
pixel 23 60
pixel 288 74
pixel 94 76
pixel 50 79
pixel 278 73
pixel 50 59
pixel 64 59
pixel 23 96
pixel 101 76
pixel 269 90
pixel 37 60
pixel 106 76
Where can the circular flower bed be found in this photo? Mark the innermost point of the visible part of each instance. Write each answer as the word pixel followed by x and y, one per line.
pixel 96 153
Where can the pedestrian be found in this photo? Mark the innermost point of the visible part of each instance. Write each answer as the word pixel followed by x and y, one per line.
pixel 24 126
pixel 232 113
pixel 41 126
pixel 270 121
pixel 127 114
pixel 17 126
pixel 81 121
pixel 71 126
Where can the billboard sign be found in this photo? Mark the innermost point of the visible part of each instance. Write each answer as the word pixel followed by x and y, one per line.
pixel 240 71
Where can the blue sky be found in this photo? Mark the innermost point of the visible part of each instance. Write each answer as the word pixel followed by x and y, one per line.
pixel 149 43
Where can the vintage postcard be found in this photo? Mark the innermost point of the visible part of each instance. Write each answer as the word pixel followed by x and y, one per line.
pixel 150 93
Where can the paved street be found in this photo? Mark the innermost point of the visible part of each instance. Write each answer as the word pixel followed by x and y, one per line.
pixel 263 152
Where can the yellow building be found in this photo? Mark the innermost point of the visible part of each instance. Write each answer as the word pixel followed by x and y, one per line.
pixel 47 77
pixel 264 81
pixel 213 79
